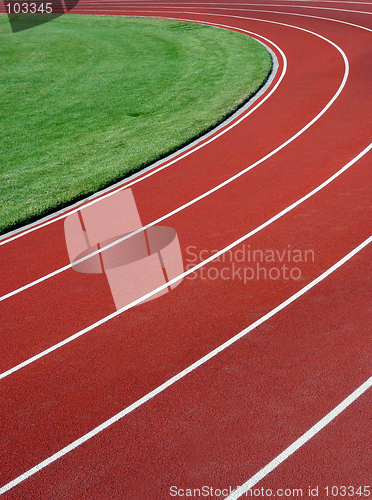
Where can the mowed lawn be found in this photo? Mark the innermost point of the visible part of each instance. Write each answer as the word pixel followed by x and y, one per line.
pixel 87 100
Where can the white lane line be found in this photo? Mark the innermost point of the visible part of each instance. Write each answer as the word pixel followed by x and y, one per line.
pixel 191 368
pixel 219 186
pixel 206 5
pixel 239 492
pixel 173 212
pixel 316 428
pixel 231 5
pixel 190 149
pixel 226 5
pixel 313 7
pixel 139 175
pixel 264 11
pixel 7 240
pixel 186 273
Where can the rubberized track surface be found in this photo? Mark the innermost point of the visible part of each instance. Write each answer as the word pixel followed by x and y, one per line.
pixel 221 423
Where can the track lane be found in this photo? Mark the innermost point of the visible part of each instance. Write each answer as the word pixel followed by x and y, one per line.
pixel 193 235
pixel 205 156
pixel 343 448
pixel 300 374
pixel 102 375
pixel 349 225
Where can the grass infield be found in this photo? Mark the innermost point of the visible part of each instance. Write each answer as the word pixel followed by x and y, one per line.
pixel 87 100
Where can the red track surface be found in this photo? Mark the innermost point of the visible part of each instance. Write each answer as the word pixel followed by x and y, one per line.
pixel 225 421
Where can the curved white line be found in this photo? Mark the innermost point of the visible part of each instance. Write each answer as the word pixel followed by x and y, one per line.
pixel 83 439
pixel 192 270
pixel 296 445
pixel 206 5
pixel 4 239
pixel 308 16
pixel 221 185
pixel 232 5
pixel 173 380
pixel 313 7
pixel 8 239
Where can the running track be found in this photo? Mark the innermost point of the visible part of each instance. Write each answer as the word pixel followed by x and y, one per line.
pixel 243 415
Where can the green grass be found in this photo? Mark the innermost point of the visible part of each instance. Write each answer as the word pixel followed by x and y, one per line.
pixel 87 100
